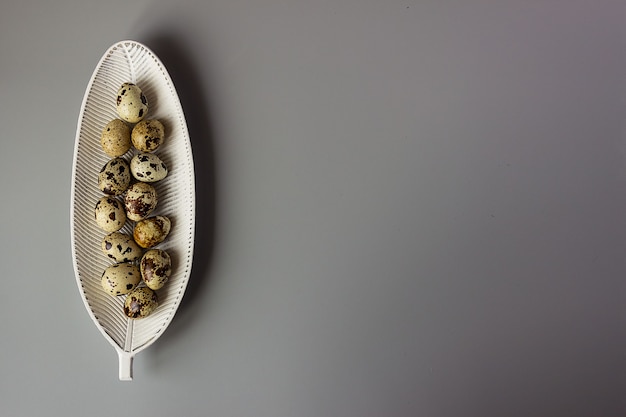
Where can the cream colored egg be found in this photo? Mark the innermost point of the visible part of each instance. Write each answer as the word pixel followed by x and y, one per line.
pixel 148 135
pixel 151 231
pixel 132 105
pixel 114 177
pixel 115 138
pixel 155 268
pixel 140 200
pixel 140 303
pixel 120 278
pixel 148 167
pixel 121 247
pixel 110 215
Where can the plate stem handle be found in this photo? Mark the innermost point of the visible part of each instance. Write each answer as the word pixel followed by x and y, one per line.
pixel 126 366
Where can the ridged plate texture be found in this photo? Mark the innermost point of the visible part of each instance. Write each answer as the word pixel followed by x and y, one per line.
pixel 130 61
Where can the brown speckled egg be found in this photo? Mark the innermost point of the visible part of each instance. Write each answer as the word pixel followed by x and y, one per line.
pixel 121 247
pixel 148 167
pixel 120 278
pixel 155 268
pixel 132 104
pixel 115 138
pixel 114 177
pixel 140 303
pixel 148 135
pixel 110 214
pixel 140 200
pixel 151 231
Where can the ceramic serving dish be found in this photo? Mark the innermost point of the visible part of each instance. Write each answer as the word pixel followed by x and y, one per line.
pixel 130 61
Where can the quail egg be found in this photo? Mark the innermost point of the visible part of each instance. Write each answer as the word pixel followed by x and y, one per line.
pixel 141 198
pixel 110 214
pixel 114 177
pixel 140 303
pixel 121 247
pixel 115 138
pixel 148 167
pixel 151 231
pixel 155 268
pixel 148 135
pixel 120 278
pixel 132 104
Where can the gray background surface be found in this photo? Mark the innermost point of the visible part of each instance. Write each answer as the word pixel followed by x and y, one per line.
pixel 405 208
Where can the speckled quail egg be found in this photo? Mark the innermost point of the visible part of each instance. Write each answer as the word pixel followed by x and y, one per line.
pixel 140 303
pixel 155 268
pixel 132 104
pixel 110 214
pixel 148 167
pixel 114 177
pixel 140 200
pixel 120 278
pixel 115 138
pixel 148 135
pixel 151 231
pixel 121 247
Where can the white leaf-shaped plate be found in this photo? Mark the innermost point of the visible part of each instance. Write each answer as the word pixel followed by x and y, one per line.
pixel 130 61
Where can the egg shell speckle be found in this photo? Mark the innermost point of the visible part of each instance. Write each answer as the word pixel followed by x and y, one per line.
pixel 120 278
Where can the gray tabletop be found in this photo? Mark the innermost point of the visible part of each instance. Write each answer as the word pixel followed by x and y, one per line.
pixel 404 208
